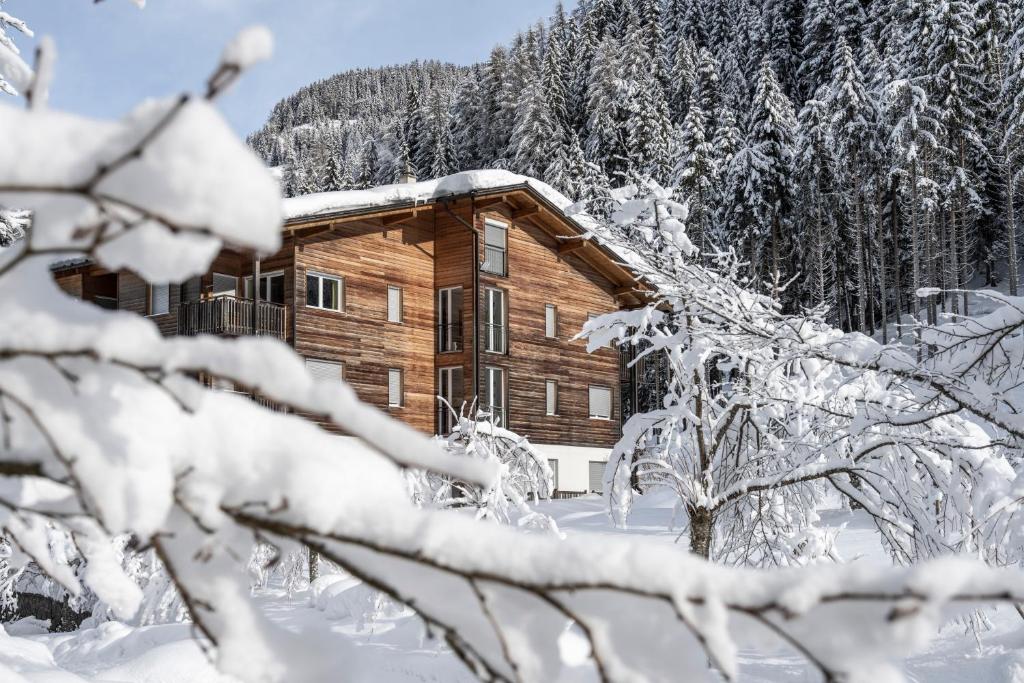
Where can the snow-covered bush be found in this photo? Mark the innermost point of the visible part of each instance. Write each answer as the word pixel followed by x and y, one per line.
pixel 105 432
pixel 521 474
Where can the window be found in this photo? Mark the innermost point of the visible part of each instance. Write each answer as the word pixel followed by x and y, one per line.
pixel 159 299
pixel 494 395
pixel 224 285
pixel 395 388
pixel 600 403
pixel 449 319
pixel 450 388
pixel 553 466
pixel 325 369
pixel 494 321
pixel 324 291
pixel 597 476
pixel 271 287
pixel 495 248
pixel 550 321
pixel 394 304
pixel 551 397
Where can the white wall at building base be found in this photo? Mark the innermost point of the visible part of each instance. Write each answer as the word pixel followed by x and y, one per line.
pixel 579 468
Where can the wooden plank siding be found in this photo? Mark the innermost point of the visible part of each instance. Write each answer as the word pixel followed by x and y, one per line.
pixel 538 276
pixel 369 257
pixel 71 283
pixel 133 295
pixel 454 268
pixel 422 249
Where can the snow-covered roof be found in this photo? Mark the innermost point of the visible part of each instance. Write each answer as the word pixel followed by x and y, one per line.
pixel 322 204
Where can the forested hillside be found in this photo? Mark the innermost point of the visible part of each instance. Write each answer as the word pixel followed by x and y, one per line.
pixel 855 152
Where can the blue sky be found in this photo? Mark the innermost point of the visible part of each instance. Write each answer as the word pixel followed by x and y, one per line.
pixel 112 55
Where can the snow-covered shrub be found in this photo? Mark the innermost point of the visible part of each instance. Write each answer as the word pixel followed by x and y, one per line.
pixel 522 475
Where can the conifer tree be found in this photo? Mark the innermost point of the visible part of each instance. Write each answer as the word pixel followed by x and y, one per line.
pixel 760 187
pixel 605 143
pixel 535 138
pixel 816 165
pixel 682 81
pixel 953 66
pixel 694 177
pixel 853 125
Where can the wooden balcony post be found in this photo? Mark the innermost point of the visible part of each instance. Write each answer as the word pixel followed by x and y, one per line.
pixel 256 294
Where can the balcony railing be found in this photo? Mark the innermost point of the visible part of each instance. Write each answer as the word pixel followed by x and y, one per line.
pixel 449 337
pixel 231 316
pixel 257 399
pixel 495 261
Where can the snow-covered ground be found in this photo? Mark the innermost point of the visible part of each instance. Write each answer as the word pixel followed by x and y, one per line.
pixel 394 647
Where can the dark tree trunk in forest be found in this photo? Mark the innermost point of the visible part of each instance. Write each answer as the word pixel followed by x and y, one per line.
pixel 314 566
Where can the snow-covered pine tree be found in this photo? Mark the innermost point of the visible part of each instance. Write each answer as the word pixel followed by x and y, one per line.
pixel 414 134
pixel 694 179
pixel 499 102
pixel 537 136
pixel 1011 146
pixel 820 32
pixel 369 167
pixel 953 66
pixel 816 165
pixel 441 155
pixel 759 185
pixel 682 80
pixel 555 70
pixel 471 123
pixel 854 125
pixel 605 139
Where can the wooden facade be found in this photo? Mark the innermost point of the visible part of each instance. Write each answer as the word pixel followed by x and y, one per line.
pixel 409 254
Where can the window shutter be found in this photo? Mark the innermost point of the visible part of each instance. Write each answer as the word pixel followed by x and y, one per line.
pixel 600 402
pixel 394 304
pixel 597 476
pixel 224 285
pixel 394 388
pixel 553 465
pixel 550 321
pixel 325 369
pixel 160 299
pixel 552 397
pixel 495 234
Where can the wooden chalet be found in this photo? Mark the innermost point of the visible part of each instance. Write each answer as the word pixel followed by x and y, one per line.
pixel 468 295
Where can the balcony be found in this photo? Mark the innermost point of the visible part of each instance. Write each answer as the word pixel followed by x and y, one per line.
pixel 231 316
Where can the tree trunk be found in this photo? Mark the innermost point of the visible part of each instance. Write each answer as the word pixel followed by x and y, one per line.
pixel 954 261
pixel 314 565
pixel 701 531
pixel 858 246
pixel 894 226
pixel 881 266
pixel 914 240
pixel 1011 234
